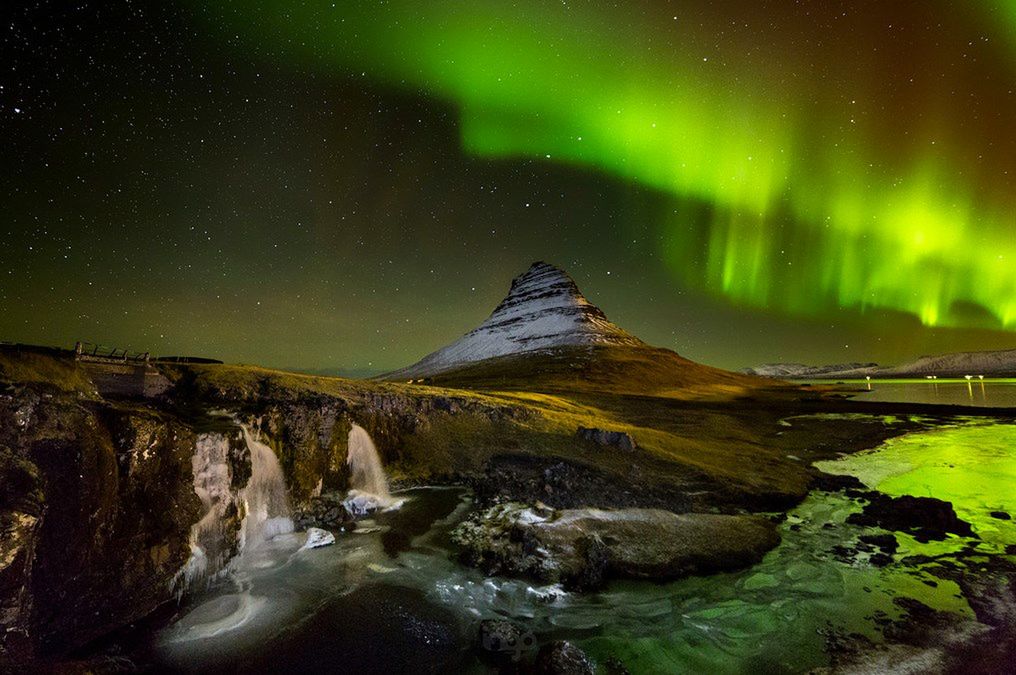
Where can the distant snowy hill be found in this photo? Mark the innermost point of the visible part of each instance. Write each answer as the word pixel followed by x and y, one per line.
pixel 994 363
pixel 543 310
pixel 1000 363
pixel 799 371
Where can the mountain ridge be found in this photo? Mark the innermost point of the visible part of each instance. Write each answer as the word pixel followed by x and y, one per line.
pixel 544 309
pixel 546 336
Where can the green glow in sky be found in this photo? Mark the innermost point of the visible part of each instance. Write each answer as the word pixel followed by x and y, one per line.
pixel 835 173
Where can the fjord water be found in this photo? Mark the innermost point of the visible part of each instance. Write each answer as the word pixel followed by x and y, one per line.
pixel 374 598
pixel 989 393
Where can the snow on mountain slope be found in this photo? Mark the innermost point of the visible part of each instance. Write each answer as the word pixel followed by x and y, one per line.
pixel 994 363
pixel 800 371
pixel 998 363
pixel 544 309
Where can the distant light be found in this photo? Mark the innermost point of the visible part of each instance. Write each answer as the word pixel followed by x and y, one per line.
pixel 969 377
pixel 980 377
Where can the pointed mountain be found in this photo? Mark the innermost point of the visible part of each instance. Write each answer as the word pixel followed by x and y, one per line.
pixel 546 335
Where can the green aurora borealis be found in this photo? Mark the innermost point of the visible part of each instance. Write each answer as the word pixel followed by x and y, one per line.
pixel 351 185
pixel 825 188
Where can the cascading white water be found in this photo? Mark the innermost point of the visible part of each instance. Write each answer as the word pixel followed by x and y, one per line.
pixel 365 464
pixel 368 483
pixel 209 543
pixel 264 502
pixel 265 498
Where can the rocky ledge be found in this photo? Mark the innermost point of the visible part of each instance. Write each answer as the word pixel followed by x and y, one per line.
pixel 581 548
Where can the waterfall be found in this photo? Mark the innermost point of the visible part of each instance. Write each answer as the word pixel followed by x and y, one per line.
pixel 216 540
pixel 210 544
pixel 265 499
pixel 368 483
pixel 365 464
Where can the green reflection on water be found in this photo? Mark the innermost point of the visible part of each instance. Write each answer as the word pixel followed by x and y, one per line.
pixel 973 466
pixel 774 616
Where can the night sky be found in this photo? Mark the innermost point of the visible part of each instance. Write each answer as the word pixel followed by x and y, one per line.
pixel 346 186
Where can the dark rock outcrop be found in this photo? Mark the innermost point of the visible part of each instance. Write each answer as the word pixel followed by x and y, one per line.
pixel 570 484
pixel 326 511
pixel 582 547
pixel 926 518
pixel 621 440
pixel 96 504
pixel 505 643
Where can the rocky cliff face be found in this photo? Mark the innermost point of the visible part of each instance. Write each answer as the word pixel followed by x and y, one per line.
pixel 543 309
pixel 96 501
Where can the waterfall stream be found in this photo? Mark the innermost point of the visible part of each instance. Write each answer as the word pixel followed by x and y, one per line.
pixel 214 541
pixel 368 484
pixel 265 499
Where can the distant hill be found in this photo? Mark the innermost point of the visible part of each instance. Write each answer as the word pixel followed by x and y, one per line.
pixel 997 363
pixel 545 335
pixel 800 371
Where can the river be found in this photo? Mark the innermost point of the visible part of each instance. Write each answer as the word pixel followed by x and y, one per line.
pixel 394 593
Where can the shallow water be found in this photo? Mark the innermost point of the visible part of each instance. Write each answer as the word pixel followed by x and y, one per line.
pixel 395 600
pixel 989 393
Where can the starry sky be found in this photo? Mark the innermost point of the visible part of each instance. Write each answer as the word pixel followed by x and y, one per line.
pixel 346 186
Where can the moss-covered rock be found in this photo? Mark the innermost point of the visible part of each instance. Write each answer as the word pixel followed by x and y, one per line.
pixel 582 547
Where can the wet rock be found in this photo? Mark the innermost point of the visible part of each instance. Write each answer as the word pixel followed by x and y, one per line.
pixel 613 439
pixel 920 624
pixel 504 642
pixel 595 559
pixel 325 512
pixel 96 506
pixel 582 547
pixel 562 658
pixel 926 518
pixel 317 538
pixel 834 483
pixel 885 542
pixel 879 547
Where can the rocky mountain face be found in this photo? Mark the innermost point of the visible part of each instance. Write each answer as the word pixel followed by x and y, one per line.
pixel 543 309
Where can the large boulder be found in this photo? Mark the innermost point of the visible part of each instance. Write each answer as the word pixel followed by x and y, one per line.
pixel 621 440
pixel 504 643
pixel 583 547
